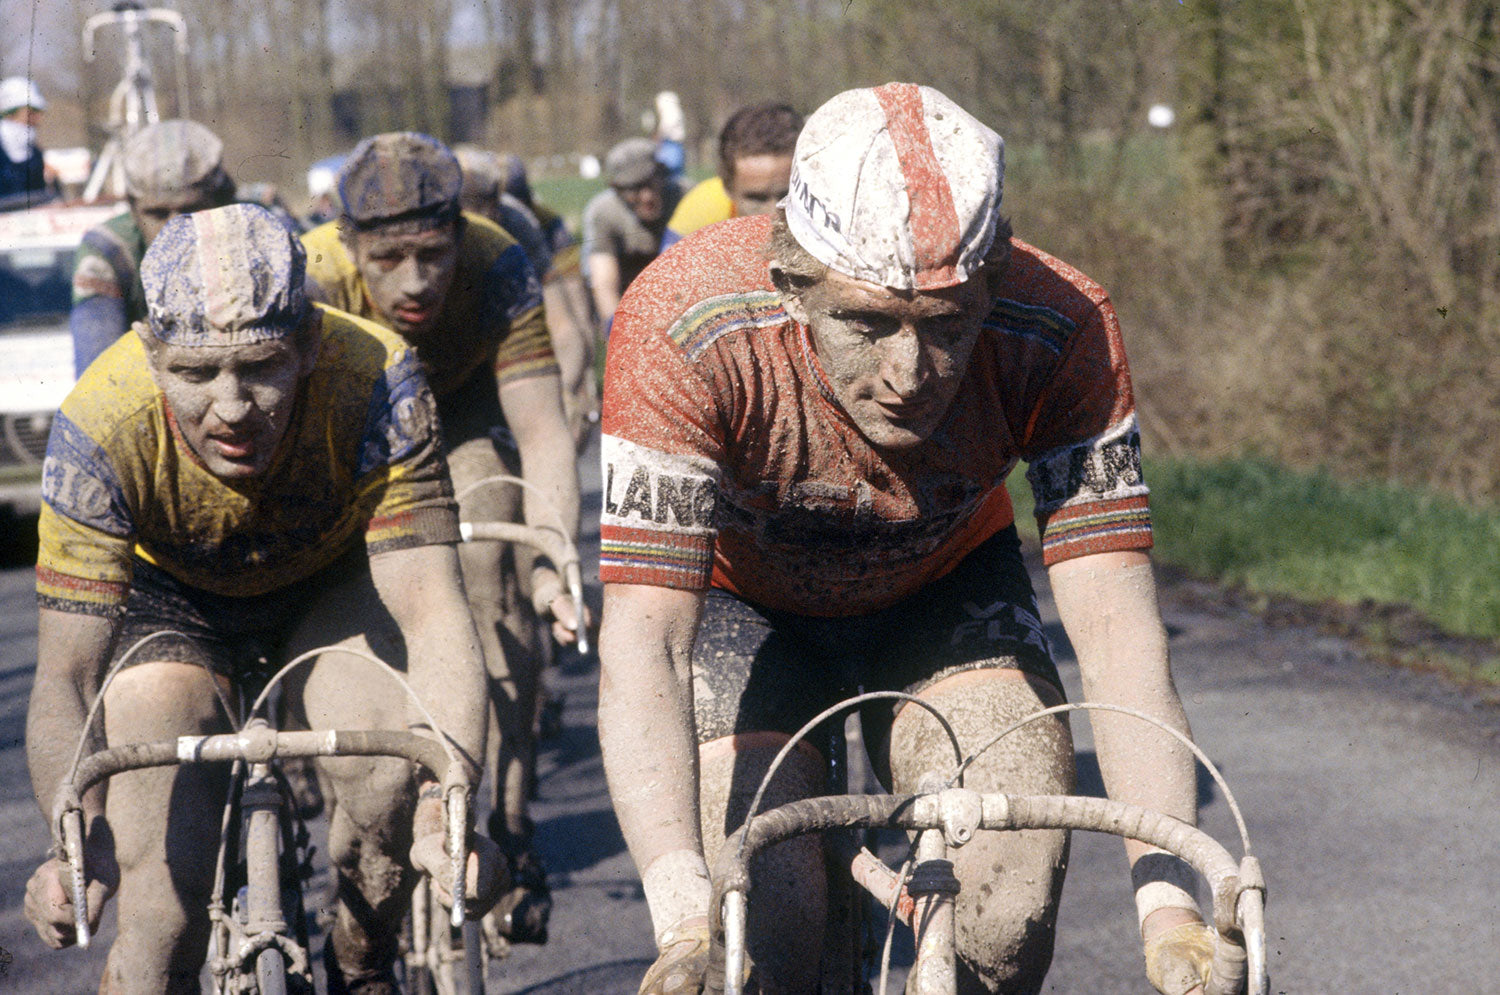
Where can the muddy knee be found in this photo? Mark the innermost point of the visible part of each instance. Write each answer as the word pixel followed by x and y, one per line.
pixel 166 828
pixel 1007 908
pixel 369 839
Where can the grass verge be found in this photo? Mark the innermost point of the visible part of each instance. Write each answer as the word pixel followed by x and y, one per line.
pixel 1415 574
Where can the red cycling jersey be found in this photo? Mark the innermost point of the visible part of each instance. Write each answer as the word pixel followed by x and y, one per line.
pixel 728 462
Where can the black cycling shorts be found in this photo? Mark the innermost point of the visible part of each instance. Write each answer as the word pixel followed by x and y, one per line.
pixel 472 410
pixel 235 637
pixel 760 670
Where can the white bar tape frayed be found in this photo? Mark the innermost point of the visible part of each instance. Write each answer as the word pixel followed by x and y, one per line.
pixel 677 887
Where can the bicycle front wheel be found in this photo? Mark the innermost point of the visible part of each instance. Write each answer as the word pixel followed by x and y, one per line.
pixel 270 972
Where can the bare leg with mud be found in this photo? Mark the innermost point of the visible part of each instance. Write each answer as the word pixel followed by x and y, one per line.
pixel 370 800
pixel 166 827
pixel 789 879
pixel 1011 882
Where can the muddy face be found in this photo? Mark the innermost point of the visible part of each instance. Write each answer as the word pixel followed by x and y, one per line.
pixel 152 213
pixel 407 275
pixel 232 403
pixel 895 359
pixel 759 183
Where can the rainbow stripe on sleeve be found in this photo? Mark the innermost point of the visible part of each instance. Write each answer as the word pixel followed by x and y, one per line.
pixel 1095 527
pixel 645 556
pixel 64 592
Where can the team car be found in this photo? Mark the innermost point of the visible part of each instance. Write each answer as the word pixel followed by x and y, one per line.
pixel 37 247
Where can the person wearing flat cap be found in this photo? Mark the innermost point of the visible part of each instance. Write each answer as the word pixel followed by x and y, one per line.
pixel 623 225
pixel 24 177
pixel 809 419
pixel 463 293
pixel 259 475
pixel 170 168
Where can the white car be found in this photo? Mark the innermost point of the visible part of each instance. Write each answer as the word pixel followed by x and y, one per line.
pixel 37 247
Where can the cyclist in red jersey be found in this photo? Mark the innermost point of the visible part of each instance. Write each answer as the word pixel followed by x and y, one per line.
pixel 809 420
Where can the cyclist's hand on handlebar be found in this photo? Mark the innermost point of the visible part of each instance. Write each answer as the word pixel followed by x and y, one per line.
pixel 685 965
pixel 49 893
pixel 486 876
pixel 1179 959
pixel 565 619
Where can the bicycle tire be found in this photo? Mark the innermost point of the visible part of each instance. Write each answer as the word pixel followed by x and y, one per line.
pixel 270 972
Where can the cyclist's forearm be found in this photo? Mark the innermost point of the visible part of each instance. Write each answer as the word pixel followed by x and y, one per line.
pixel 534 410
pixel 604 283
pixel 649 747
pixel 1109 608
pixel 423 591
pixel 72 650
pixel 571 340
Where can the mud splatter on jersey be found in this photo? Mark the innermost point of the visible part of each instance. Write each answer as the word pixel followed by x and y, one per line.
pixel 361 457
pixel 727 461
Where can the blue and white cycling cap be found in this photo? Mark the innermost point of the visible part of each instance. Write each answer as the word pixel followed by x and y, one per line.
pixel 230 276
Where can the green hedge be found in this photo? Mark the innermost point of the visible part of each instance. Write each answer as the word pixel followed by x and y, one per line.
pixel 1310 536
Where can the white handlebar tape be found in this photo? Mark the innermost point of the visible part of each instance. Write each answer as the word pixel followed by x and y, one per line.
pixel 677 887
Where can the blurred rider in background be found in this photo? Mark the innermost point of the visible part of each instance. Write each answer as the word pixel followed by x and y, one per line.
pixel 171 168
pixel 463 292
pixel 755 171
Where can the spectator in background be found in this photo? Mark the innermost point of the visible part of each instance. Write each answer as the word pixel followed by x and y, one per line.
pixel 171 168
pixel 623 226
pixel 322 193
pixel 24 178
pixel 671 135
pixel 755 171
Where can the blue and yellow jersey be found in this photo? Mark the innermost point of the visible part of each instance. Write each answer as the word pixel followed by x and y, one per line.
pixel 360 458
pixel 493 312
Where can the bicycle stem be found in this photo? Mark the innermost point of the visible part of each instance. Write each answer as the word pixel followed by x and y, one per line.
pixel 933 888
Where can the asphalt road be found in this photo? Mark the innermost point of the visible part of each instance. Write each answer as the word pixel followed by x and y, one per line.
pixel 1372 798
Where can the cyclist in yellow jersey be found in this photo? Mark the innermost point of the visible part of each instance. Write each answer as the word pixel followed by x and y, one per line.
pixel 563 292
pixel 463 293
pixel 238 470
pixel 755 170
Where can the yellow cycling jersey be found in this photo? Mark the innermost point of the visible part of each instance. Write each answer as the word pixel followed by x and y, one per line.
pixel 705 204
pixel 492 314
pixel 360 457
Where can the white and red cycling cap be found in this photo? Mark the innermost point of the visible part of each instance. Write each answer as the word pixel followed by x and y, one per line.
pixel 896 185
